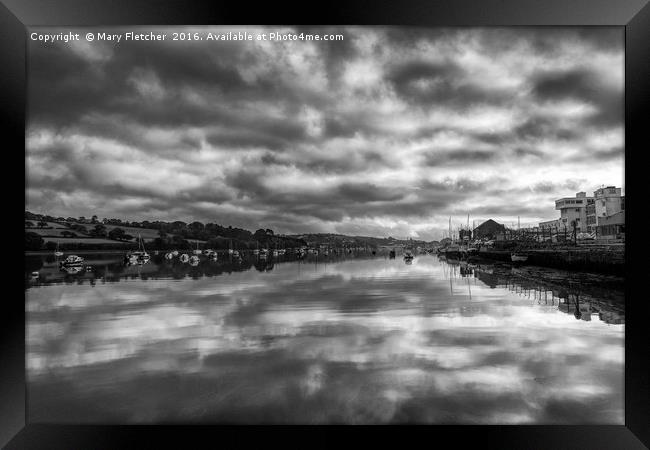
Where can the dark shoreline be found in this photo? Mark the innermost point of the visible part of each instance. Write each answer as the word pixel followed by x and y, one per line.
pixel 601 261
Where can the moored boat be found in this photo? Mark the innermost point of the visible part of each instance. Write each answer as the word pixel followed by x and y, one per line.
pixel 518 257
pixel 139 255
pixel 72 270
pixel 72 261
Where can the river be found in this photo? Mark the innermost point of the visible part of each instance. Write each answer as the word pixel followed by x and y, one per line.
pixel 353 340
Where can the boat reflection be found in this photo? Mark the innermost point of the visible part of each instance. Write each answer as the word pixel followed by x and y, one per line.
pixel 113 266
pixel 354 339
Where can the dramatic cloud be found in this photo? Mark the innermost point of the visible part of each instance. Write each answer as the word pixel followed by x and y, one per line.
pixel 389 131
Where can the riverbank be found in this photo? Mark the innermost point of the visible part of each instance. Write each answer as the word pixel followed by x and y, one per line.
pixel 606 261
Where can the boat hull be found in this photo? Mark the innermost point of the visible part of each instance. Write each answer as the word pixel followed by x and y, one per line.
pixel 518 258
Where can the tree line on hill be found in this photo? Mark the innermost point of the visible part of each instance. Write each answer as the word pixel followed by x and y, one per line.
pixel 177 234
pixel 181 235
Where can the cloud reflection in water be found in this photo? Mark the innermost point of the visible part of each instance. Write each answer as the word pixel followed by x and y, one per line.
pixel 360 341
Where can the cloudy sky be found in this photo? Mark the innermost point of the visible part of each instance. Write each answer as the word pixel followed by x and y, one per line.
pixel 388 132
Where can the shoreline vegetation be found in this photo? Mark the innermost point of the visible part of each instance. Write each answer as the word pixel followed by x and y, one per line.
pixel 44 233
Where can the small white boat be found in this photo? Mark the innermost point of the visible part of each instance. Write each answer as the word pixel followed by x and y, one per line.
pixel 408 255
pixel 518 257
pixel 139 255
pixel 35 274
pixel 235 254
pixel 208 252
pixel 169 255
pixel 57 252
pixel 175 252
pixel 196 251
pixel 185 257
pixel 73 261
pixel 194 259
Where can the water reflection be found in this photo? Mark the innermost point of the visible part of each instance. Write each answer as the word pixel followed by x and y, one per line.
pixel 345 340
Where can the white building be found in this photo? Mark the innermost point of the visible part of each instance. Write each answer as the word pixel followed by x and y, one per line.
pixel 572 209
pixel 587 212
pixel 608 201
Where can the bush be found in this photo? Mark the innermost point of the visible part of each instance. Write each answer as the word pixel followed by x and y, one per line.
pixel 116 234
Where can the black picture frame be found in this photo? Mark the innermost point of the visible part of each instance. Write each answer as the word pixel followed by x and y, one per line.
pixel 633 15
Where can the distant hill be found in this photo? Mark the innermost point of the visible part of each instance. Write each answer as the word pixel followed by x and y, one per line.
pixel 179 234
pixel 342 240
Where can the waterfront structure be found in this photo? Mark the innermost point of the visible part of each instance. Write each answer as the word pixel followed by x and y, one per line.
pixel 465 234
pixel 489 230
pixel 574 209
pixel 608 202
pixel 551 224
pixel 578 210
pixel 591 213
pixel 611 227
pixel 591 217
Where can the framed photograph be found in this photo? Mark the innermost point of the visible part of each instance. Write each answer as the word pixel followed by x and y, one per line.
pixel 411 215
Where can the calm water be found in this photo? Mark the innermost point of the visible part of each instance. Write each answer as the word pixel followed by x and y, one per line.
pixel 364 339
